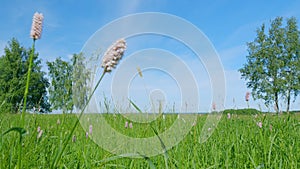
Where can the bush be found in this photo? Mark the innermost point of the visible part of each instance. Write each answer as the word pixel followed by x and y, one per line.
pixel 242 111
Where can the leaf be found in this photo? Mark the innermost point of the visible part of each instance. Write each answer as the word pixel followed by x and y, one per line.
pixel 163 146
pixel 151 165
pixel 113 158
pixel 2 104
pixel 20 130
pixel 135 106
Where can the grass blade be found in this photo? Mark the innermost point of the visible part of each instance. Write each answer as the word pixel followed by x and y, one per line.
pixel 270 150
pixel 135 106
pixel 151 165
pixel 20 130
pixel 163 146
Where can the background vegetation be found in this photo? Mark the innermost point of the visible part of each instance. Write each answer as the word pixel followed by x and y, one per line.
pixel 245 138
pixel 238 142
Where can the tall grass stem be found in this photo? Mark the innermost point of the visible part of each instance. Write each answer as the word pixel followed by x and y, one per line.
pixel 66 141
pixel 25 102
pixel 27 84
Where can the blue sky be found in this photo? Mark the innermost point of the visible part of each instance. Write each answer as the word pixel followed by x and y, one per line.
pixel 228 25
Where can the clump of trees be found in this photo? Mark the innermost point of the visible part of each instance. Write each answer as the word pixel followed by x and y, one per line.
pixel 272 70
pixel 69 83
pixel 13 72
pixel 63 88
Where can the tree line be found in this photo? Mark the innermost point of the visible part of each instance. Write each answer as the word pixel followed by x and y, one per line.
pixel 63 88
pixel 272 72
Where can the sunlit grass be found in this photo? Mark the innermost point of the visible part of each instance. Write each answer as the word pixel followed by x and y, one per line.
pixel 237 142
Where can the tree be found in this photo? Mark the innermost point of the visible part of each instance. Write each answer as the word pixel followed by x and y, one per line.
pixel 69 83
pixel 291 68
pixel 60 90
pixel 80 81
pixel 268 70
pixel 13 67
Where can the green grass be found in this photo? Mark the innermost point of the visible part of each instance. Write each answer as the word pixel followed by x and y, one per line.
pixel 236 143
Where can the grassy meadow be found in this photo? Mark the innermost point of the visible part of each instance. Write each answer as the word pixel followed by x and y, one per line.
pixel 241 141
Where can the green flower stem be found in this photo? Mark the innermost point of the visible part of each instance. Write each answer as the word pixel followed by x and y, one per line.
pixel 25 102
pixel 27 84
pixel 60 151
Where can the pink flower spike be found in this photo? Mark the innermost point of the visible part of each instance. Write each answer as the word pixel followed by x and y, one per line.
pixel 40 134
pixel 38 129
pixel 74 139
pixel 91 129
pixel 247 97
pixel 113 54
pixel 259 124
pixel 130 125
pixel 37 25
pixel 126 124
pixel 214 107
pixel 86 134
pixel 228 115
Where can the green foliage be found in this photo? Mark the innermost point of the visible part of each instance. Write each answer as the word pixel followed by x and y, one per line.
pixel 60 90
pixel 80 78
pixel 291 68
pixel 237 142
pixel 13 67
pixel 69 83
pixel 242 111
pixel 272 68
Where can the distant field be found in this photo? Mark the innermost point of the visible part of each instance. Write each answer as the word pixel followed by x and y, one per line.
pixel 238 142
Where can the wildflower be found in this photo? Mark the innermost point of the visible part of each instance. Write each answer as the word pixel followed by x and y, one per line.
pixel 228 115
pixel 38 129
pixel 91 129
pixel 86 134
pixel 113 54
pixel 74 139
pixel 58 122
pixel 259 124
pixel 247 97
pixel 37 25
pixel 209 129
pixel 130 125
pixel 214 106
pixel 255 116
pixel 40 134
pixel 126 124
